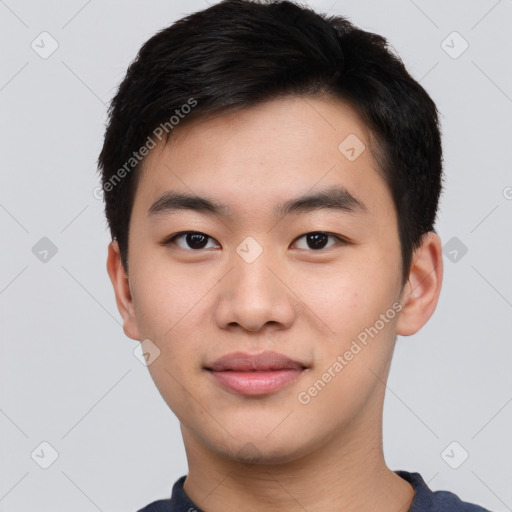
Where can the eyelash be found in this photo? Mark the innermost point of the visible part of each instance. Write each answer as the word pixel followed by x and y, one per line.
pixel 171 240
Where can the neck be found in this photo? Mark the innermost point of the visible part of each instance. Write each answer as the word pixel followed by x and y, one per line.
pixel 345 473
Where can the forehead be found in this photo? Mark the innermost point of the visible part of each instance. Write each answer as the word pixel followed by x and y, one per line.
pixel 267 153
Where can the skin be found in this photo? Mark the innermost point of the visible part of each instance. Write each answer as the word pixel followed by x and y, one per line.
pixel 196 305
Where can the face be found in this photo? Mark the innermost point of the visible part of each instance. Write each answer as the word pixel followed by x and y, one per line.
pixel 318 282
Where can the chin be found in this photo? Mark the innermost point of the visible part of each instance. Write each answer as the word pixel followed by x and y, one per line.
pixel 261 450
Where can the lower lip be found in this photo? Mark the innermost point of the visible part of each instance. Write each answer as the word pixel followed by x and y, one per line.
pixel 256 383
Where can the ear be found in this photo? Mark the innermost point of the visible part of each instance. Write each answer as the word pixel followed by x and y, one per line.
pixel 121 285
pixel 421 292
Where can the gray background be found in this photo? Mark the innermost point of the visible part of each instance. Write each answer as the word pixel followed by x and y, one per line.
pixel 68 375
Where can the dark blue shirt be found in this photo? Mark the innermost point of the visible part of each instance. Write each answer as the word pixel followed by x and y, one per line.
pixel 424 500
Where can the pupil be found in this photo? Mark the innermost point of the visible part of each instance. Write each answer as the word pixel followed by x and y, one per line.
pixel 194 240
pixel 317 240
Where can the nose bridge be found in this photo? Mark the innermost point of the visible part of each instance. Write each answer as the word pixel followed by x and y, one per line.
pixel 254 273
pixel 255 283
pixel 252 295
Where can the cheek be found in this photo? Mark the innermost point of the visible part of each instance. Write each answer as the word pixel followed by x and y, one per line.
pixel 344 298
pixel 173 308
pixel 169 308
pixel 165 297
pixel 354 310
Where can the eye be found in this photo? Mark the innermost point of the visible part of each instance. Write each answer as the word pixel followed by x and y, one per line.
pixel 195 240
pixel 318 240
pixel 190 240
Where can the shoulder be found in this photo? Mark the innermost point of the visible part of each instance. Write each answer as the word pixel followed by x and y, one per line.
pixel 426 500
pixel 157 506
pixel 448 501
pixel 178 502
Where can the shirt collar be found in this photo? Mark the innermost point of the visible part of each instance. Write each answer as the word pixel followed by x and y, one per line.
pixel 422 501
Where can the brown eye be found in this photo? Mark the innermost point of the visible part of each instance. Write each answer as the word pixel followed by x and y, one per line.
pixel 318 240
pixel 190 240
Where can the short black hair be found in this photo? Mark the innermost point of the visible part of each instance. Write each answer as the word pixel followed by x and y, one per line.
pixel 239 53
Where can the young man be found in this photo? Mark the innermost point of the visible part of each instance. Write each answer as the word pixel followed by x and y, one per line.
pixel 271 181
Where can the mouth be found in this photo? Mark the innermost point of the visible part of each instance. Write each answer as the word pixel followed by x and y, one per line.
pixel 255 375
pixel 256 382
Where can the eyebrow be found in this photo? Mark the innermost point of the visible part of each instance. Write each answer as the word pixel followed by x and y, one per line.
pixel 335 198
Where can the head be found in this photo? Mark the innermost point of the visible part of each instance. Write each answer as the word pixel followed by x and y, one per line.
pixel 316 165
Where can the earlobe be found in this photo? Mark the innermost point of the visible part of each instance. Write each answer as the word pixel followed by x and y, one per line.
pixel 123 295
pixel 421 293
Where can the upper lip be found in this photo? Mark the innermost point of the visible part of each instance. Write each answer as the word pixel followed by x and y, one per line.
pixel 241 361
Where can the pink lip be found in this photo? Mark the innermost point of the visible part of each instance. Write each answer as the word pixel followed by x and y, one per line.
pixel 257 382
pixel 243 362
pixel 257 374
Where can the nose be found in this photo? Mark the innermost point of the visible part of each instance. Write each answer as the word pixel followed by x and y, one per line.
pixel 254 295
